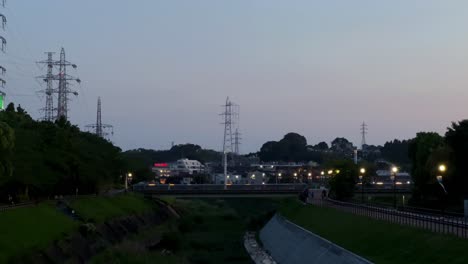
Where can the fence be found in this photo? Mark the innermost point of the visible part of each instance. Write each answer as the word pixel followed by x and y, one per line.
pixel 435 221
pixel 58 198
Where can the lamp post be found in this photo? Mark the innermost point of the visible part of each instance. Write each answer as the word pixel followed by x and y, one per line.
pixel 127 176
pixel 393 178
pixel 361 176
pixel 278 175
pixel 322 176
pixel 442 168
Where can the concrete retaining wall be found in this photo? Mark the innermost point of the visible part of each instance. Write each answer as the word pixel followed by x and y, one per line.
pixel 288 243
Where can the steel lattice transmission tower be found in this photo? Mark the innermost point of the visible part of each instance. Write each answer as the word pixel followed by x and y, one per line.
pixel 63 86
pixel 228 138
pixel 99 128
pixel 363 134
pixel 3 42
pixel 49 80
pixel 237 142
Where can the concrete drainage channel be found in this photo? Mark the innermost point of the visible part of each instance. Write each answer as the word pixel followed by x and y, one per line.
pixel 289 243
pixel 256 252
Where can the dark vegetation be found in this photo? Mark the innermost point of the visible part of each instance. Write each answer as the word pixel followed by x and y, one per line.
pixel 427 151
pixel 209 231
pixel 43 159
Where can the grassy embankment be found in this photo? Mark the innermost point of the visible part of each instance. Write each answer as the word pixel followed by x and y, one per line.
pixel 24 230
pixel 209 231
pixel 378 241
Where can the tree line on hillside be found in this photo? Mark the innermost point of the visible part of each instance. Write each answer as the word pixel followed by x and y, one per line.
pixel 294 148
pixel 428 151
pixel 42 159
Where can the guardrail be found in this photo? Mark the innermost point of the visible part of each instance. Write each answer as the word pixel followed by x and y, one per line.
pixel 435 221
pixel 219 188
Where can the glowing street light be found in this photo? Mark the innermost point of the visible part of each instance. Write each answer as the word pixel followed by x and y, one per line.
pixel 361 176
pixel 393 178
pixel 128 176
pixel 442 168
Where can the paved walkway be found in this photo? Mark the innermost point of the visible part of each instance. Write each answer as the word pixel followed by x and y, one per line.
pixel 289 243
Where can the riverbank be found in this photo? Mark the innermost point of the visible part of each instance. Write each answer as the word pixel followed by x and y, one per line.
pixel 29 230
pixel 376 240
pixel 209 230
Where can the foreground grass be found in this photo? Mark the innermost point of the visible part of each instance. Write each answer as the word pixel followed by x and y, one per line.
pixel 378 241
pixel 100 209
pixel 31 228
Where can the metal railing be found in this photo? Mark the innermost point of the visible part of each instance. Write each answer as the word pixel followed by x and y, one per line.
pixel 435 221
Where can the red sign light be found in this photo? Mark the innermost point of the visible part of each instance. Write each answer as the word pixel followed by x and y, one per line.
pixel 159 165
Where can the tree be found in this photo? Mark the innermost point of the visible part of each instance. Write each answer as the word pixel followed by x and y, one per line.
pixel 7 141
pixel 420 150
pixel 396 151
pixel 457 139
pixel 268 151
pixel 292 147
pixel 342 184
pixel 322 146
pixel 342 145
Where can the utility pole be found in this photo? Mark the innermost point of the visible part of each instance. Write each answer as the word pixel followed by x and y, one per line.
pixel 363 134
pixel 63 89
pixel 3 42
pixel 100 128
pixel 49 80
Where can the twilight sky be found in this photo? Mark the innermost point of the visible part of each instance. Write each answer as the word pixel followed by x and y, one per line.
pixel 319 68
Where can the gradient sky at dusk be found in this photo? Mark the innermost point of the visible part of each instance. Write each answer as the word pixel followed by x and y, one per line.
pixel 319 68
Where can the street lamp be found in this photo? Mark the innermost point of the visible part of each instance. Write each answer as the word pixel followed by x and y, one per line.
pixel 393 178
pixel 442 168
pixel 361 175
pixel 127 177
